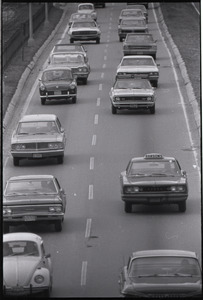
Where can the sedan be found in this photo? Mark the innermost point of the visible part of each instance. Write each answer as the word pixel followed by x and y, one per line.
pixel 69 48
pixel 128 13
pixel 79 17
pixel 142 66
pixel 84 31
pixel 161 274
pixel 140 6
pixel 27 269
pixel 154 179
pixel 88 8
pixel 38 136
pixel 57 83
pixel 140 44
pixel 131 26
pixel 75 62
pixel 132 94
pixel 33 198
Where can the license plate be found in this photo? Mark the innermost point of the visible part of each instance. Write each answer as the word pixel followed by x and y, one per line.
pixel 29 218
pixel 57 93
pixel 133 105
pixel 37 155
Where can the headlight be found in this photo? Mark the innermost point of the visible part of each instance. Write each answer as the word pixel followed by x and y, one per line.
pixel 72 86
pixel 7 211
pixel 42 88
pixel 178 188
pixel 39 279
pixel 132 189
pixel 149 98
pixel 55 145
pixel 125 47
pixel 153 73
pixel 55 209
pixel 18 147
pixel 117 98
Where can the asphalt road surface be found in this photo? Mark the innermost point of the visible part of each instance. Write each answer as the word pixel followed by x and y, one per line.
pixel 98 236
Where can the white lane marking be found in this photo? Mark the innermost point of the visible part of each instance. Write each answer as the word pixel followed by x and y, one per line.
pixel 83 273
pixel 179 91
pixel 96 119
pixel 94 140
pixel 98 101
pixel 105 57
pixel 91 163
pixel 88 228
pixel 104 66
pixel 102 75
pixel 90 195
pixel 193 4
pixel 100 86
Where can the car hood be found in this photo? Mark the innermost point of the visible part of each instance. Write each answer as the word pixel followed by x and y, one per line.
pixel 84 29
pixel 18 270
pixel 146 180
pixel 30 199
pixel 137 69
pixel 133 92
pixel 55 137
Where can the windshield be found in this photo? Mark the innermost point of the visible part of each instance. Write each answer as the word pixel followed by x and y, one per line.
pixel 83 25
pixel 67 58
pixel 154 168
pixel 132 84
pixel 39 127
pixel 133 22
pixel 139 38
pixel 137 62
pixel 85 6
pixel 37 186
pixel 16 248
pixel 131 12
pixel 164 266
pixel 57 75
pixel 64 48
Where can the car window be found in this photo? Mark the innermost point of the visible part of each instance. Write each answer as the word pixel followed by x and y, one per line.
pixel 131 12
pixel 83 24
pixel 69 58
pixel 40 127
pixel 137 62
pixel 133 22
pixel 139 38
pixel 17 248
pixel 63 48
pixel 57 75
pixel 86 6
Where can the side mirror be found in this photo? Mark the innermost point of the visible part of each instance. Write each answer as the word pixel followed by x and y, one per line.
pixel 48 255
pixel 184 173
pixel 62 129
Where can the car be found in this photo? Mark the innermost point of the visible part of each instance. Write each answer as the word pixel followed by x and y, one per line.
pixel 75 62
pixel 154 179
pixel 79 17
pixel 57 83
pixel 161 273
pixel 33 199
pixel 88 8
pixel 27 268
pixel 142 66
pixel 69 48
pixel 131 26
pixel 38 136
pixel 140 44
pixel 128 13
pixel 140 6
pixel 132 93
pixel 146 4
pixel 84 31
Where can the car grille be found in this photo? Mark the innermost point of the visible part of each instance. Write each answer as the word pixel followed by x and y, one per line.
pixel 133 98
pixel 63 92
pixel 88 32
pixel 161 188
pixel 30 209
pixel 36 146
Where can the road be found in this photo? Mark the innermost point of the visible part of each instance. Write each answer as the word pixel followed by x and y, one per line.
pixel 98 236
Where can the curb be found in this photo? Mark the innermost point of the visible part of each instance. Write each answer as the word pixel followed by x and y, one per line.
pixel 11 107
pixel 189 89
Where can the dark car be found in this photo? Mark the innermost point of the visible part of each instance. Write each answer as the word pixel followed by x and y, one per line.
pixel 140 44
pixel 154 179
pixel 57 83
pixel 160 274
pixel 33 198
pixel 131 26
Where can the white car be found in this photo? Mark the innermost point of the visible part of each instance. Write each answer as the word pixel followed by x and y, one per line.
pixel 87 8
pixel 27 269
pixel 84 31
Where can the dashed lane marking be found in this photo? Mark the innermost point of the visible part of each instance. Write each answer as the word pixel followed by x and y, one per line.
pixel 90 196
pixel 96 119
pixel 100 86
pixel 83 273
pixel 98 101
pixel 94 139
pixel 88 228
pixel 91 163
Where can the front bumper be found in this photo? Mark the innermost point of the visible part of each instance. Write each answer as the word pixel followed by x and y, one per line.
pixel 37 154
pixel 161 198
pixel 33 217
pixel 133 105
pixel 61 96
pixel 23 291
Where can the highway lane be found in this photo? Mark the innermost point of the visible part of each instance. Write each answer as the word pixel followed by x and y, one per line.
pixel 98 235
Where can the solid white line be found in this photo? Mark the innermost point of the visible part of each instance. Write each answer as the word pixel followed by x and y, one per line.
pixel 100 86
pixel 104 66
pixel 83 273
pixel 193 4
pixel 96 119
pixel 94 140
pixel 90 196
pixel 88 228
pixel 98 101
pixel 91 163
pixel 179 91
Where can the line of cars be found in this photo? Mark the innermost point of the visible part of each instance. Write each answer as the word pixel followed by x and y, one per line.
pixel 153 179
pixel 29 199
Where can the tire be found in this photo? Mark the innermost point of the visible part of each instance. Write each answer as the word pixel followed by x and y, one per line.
pixel 6 227
pixel 16 161
pixel 60 159
pixel 113 109
pixel 58 226
pixel 152 110
pixel 128 207
pixel 120 39
pixel 182 206
pixel 74 99
pixel 85 80
pixel 98 41
pixel 71 41
pixel 155 83
pixel 43 101
pixel 154 56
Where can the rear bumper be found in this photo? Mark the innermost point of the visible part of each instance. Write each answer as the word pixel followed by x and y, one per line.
pixel 139 52
pixel 84 37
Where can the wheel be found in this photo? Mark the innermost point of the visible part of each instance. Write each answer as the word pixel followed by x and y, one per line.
pixel 152 109
pixel 6 227
pixel 43 101
pixel 182 206
pixel 113 109
pixel 85 80
pixel 74 99
pixel 58 226
pixel 98 41
pixel 154 56
pixel 155 83
pixel 128 207
pixel 71 41
pixel 120 39
pixel 16 161
pixel 60 159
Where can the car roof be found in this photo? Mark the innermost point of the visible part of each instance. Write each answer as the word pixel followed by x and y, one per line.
pixel 137 56
pixel 38 117
pixel 164 252
pixel 86 3
pixel 22 177
pixel 21 236
pixel 143 158
pixel 130 9
pixel 68 44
